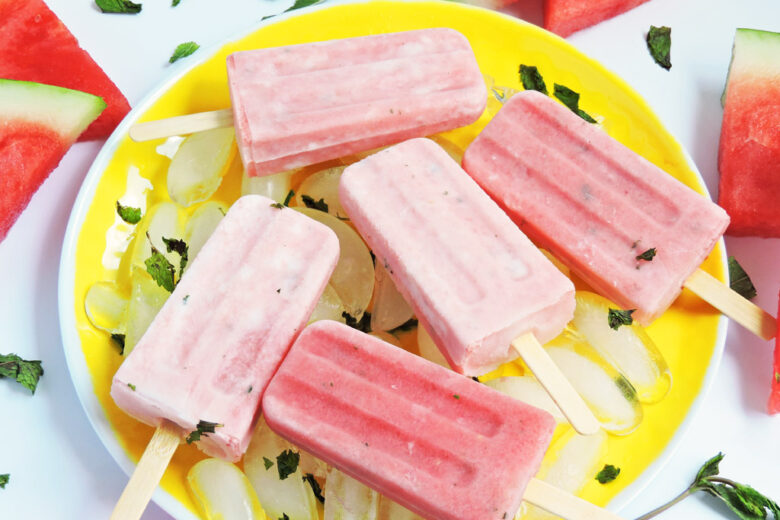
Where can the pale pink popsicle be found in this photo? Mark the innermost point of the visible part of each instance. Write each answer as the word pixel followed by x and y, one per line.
pixel 210 352
pixel 472 277
pixel 434 441
pixel 595 204
pixel 302 104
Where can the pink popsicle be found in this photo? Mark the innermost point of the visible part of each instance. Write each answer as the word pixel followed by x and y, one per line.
pixel 436 442
pixel 594 203
pixel 303 104
pixel 472 277
pixel 213 347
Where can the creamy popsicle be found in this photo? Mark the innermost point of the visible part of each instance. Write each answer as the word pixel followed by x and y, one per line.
pixel 213 347
pixel 434 441
pixel 473 279
pixel 626 227
pixel 303 104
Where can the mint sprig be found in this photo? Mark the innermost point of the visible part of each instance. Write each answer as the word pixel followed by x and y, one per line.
pixel 745 502
pixel 26 373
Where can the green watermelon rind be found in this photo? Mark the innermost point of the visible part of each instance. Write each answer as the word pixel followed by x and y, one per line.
pixel 754 44
pixel 66 112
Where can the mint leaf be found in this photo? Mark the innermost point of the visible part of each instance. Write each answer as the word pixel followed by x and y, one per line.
pixel 363 325
pixel 406 326
pixel 161 270
pixel 175 3
pixel 318 204
pixel 203 428
pixel 118 6
pixel 4 478
pixel 288 198
pixel 617 317
pixel 277 205
pixel 571 99
pixel 119 341
pixel 287 463
pixel 607 474
pixel 183 50
pixel 26 373
pixel 647 255
pixel 739 280
pixel 268 463
pixel 659 43
pixel 710 468
pixel 299 4
pixel 128 214
pixel 532 79
pixel 180 248
pixel 315 487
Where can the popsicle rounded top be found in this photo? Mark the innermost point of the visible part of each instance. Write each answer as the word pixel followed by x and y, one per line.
pixel 595 204
pixel 302 104
pixel 470 274
pixel 436 442
pixel 211 350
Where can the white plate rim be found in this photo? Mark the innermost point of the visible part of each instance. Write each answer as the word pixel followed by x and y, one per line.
pixel 74 355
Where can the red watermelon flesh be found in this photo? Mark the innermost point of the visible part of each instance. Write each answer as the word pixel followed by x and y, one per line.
pixel 38 123
pixel 749 156
pixel 774 397
pixel 564 17
pixel 36 46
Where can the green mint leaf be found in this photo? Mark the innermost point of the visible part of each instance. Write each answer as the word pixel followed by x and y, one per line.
pixel 180 248
pixel 119 341
pixel 315 487
pixel 26 373
pixel 607 474
pixel 406 326
pixel 4 478
pixel 456 396
pixel 131 386
pixel 572 100
pixel 299 4
pixel 647 255
pixel 739 280
pixel 175 3
pixel 118 6
pixel 288 198
pixel 709 469
pixel 617 317
pixel 268 463
pixel 311 203
pixel 287 463
pixel 659 43
pixel 128 214
pixel 531 79
pixel 183 50
pixel 202 429
pixel 625 387
pixel 161 270
pixel 363 325
pixel 741 505
pixel 277 205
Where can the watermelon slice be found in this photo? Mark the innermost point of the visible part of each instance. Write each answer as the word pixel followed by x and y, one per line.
pixel 36 46
pixel 749 156
pixel 38 123
pixel 774 396
pixel 564 17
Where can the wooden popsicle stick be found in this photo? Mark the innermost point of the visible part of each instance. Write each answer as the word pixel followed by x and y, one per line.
pixel 732 304
pixel 563 504
pixel 556 384
pixel 181 125
pixel 148 472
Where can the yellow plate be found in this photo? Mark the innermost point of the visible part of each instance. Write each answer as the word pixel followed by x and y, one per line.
pixel 690 334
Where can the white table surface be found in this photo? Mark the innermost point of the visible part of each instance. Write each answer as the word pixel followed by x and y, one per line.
pixel 60 470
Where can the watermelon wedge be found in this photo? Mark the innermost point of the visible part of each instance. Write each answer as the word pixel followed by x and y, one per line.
pixel 749 155
pixel 774 396
pixel 564 17
pixel 38 123
pixel 36 46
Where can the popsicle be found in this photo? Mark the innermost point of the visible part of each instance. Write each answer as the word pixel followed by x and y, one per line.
pixel 634 233
pixel 484 292
pixel 438 443
pixel 303 104
pixel 210 352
